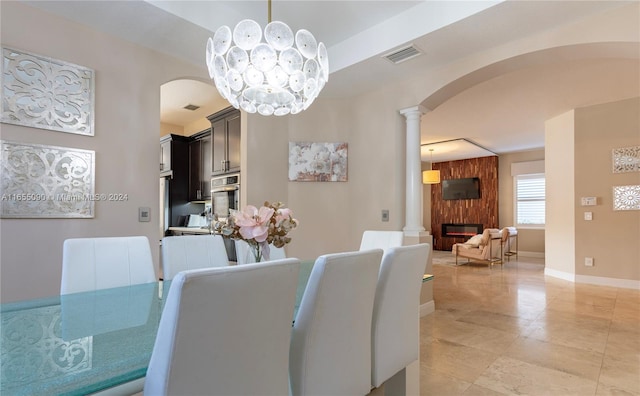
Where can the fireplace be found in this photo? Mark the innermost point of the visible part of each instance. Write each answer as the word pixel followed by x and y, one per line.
pixel 466 231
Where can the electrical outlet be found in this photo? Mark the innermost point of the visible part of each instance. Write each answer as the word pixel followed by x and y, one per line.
pixel 385 215
pixel 588 261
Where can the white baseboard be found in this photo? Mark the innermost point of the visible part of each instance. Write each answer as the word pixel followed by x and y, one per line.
pixel 560 274
pixel 594 280
pixel 427 308
pixel 614 282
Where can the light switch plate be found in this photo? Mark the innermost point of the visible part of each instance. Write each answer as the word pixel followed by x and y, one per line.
pixel 588 201
pixel 144 214
pixel 588 216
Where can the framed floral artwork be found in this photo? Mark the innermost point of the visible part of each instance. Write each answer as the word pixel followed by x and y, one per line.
pixel 318 162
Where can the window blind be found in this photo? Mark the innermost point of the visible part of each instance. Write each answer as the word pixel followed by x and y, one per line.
pixel 530 200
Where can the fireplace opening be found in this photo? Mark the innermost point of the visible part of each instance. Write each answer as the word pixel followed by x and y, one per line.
pixel 452 230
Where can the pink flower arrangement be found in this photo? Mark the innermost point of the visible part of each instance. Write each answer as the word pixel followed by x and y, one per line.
pixel 269 224
pixel 254 222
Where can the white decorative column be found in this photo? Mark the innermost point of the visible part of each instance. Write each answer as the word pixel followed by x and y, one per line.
pixel 407 381
pixel 414 231
pixel 413 207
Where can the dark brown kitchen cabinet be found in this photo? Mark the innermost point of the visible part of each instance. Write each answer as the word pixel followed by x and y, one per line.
pixel 225 133
pixel 171 146
pixel 200 167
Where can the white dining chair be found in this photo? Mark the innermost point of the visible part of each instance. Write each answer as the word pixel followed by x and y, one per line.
pixel 101 263
pixel 226 331
pixel 395 326
pixel 245 256
pixel 381 239
pixel 331 341
pixel 180 253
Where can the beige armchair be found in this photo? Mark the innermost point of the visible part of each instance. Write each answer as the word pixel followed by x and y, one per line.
pixel 510 242
pixel 484 248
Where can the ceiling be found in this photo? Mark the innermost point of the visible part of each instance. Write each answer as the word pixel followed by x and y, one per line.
pixel 503 113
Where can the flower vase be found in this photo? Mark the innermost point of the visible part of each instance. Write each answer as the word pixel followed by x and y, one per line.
pixel 256 252
pixel 259 251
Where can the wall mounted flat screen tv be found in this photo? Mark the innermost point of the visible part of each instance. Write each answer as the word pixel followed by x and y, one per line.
pixel 468 188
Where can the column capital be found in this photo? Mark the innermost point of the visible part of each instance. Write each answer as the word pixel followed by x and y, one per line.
pixel 419 109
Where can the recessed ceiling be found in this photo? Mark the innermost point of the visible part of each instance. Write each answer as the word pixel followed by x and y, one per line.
pixel 452 150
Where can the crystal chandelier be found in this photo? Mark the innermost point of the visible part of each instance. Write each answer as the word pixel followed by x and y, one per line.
pixel 282 76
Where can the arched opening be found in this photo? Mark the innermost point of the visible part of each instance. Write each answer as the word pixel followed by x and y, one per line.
pixel 185 104
pixel 504 106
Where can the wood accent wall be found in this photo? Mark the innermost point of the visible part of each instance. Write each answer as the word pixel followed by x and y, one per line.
pixel 470 211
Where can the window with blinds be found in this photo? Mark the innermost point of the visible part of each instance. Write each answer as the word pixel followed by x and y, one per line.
pixel 530 200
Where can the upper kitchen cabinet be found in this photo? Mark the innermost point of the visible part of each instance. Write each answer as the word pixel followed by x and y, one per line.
pixel 173 151
pixel 165 154
pixel 200 166
pixel 225 133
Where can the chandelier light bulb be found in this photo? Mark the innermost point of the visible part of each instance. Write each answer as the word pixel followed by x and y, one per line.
pixel 282 75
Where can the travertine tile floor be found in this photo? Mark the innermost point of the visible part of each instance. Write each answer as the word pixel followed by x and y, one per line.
pixel 514 331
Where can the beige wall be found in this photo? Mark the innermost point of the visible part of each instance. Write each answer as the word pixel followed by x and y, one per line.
pixel 560 203
pixel 127 97
pixel 530 241
pixel 612 238
pixel 197 126
pixel 332 215
pixel 578 164
pixel 187 130
pixel 166 129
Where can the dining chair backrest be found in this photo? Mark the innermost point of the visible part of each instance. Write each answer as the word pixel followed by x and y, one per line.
pixel 245 256
pixel 395 326
pixel 226 331
pixel 331 341
pixel 381 239
pixel 102 263
pixel 180 253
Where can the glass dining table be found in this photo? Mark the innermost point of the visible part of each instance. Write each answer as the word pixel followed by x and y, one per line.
pixel 82 343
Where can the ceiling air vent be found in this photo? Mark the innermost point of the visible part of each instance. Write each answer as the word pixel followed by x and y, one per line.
pixel 191 107
pixel 402 54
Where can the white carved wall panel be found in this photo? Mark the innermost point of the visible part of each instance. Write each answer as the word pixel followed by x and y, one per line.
pixel 40 181
pixel 626 159
pixel 46 93
pixel 626 197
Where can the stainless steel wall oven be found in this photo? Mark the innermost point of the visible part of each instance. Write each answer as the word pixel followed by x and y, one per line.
pixel 225 194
